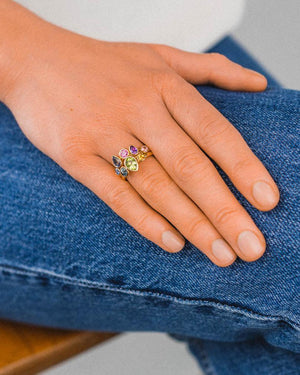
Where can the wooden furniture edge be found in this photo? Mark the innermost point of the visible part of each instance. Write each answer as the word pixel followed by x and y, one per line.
pixel 69 347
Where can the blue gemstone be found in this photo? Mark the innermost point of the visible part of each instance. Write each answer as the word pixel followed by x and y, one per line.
pixel 117 171
pixel 124 171
pixel 116 161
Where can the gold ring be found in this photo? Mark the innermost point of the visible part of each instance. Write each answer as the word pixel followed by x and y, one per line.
pixel 128 159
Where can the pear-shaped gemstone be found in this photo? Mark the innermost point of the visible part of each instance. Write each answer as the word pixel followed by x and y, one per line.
pixel 116 161
pixel 124 171
pixel 133 150
pixel 131 163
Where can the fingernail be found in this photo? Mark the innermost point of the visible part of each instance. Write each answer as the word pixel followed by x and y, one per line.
pixel 222 251
pixel 254 72
pixel 172 241
pixel 258 75
pixel 264 194
pixel 249 244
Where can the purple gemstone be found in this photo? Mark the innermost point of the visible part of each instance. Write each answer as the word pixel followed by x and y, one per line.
pixel 133 150
pixel 123 153
pixel 144 149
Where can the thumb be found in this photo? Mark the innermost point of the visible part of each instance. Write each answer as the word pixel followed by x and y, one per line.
pixel 211 68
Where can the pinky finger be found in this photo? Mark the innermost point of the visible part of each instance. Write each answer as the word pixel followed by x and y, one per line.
pixel 98 175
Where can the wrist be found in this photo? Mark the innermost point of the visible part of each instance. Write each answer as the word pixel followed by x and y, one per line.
pixel 16 43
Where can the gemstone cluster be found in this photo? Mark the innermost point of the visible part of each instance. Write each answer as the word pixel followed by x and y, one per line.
pixel 128 159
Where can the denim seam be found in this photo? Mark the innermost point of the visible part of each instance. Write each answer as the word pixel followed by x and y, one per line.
pixel 63 279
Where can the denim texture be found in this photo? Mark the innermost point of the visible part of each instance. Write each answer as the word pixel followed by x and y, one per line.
pixel 255 357
pixel 67 260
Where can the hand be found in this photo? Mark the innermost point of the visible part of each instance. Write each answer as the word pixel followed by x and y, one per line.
pixel 80 101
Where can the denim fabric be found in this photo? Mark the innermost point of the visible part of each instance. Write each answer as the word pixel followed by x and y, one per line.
pixel 255 357
pixel 67 260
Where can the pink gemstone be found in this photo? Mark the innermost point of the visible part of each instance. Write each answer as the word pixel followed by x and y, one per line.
pixel 144 149
pixel 123 153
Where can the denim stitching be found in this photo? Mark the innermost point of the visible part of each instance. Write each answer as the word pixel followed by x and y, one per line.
pixel 62 279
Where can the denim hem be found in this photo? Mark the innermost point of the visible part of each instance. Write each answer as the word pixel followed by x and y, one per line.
pixel 39 276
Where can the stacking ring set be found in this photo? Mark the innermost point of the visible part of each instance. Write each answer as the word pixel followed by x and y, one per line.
pixel 128 160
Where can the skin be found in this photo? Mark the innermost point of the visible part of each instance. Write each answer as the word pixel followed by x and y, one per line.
pixel 81 100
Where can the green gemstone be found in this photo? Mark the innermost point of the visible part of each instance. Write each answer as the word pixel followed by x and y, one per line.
pixel 131 163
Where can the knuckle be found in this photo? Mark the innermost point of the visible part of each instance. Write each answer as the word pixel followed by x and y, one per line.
pixel 116 197
pixel 219 57
pixel 162 49
pixel 187 164
pixel 128 110
pixel 241 166
pixel 71 150
pixel 163 80
pixel 213 130
pixel 156 186
pixel 195 228
pixel 217 61
pixel 225 215
pixel 141 224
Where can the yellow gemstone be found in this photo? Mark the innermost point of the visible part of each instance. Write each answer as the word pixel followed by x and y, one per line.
pixel 140 157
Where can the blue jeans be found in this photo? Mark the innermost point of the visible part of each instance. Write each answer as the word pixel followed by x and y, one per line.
pixel 67 260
